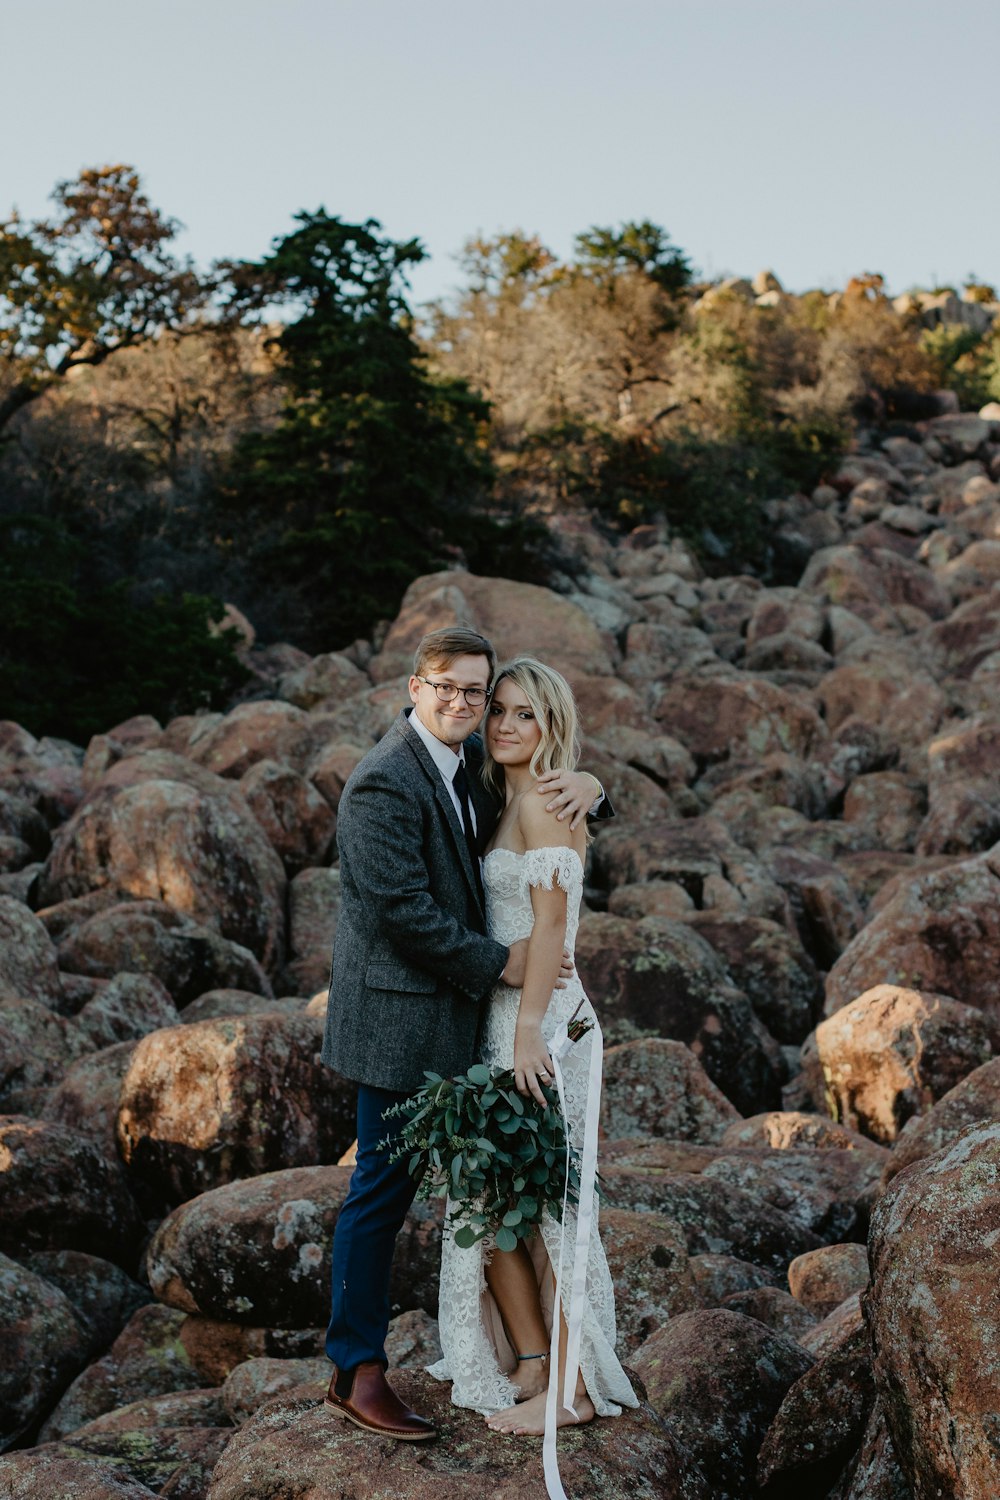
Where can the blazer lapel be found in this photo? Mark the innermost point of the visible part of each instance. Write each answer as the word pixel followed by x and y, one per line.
pixel 444 801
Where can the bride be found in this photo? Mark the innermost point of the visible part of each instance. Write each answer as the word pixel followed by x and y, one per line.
pixel 496 1306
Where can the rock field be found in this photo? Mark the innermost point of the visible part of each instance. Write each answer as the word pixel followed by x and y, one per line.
pixel 792 936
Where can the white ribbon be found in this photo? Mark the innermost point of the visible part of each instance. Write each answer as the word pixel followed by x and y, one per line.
pixel 558 1048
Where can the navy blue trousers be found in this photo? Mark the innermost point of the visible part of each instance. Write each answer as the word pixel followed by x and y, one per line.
pixel 367 1225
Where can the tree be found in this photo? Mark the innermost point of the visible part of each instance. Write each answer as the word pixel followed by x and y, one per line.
pixel 375 472
pixel 607 253
pixel 94 278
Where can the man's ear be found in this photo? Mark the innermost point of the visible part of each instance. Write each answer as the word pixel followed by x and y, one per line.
pixel 414 686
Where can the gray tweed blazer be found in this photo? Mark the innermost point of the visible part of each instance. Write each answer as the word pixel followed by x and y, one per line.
pixel 411 961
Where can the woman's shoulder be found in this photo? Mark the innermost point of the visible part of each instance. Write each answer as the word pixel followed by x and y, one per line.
pixel 541 829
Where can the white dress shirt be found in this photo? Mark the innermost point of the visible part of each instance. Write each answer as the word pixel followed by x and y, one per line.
pixel 447 762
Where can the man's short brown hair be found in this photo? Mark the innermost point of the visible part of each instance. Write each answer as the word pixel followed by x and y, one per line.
pixel 439 649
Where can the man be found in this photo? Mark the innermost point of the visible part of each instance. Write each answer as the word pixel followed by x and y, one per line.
pixel 411 964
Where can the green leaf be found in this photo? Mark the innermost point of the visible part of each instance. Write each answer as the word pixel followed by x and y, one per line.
pixel 479 1075
pixel 512 1217
pixel 506 1239
pixel 466 1237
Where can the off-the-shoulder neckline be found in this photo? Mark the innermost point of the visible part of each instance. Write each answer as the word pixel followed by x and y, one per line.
pixel 542 849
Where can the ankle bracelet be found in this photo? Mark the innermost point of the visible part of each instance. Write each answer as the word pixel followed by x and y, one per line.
pixel 521 1357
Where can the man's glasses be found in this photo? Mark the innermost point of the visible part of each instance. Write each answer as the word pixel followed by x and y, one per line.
pixel 447 692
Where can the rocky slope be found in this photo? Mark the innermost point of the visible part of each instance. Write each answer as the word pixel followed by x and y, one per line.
pixel 792 935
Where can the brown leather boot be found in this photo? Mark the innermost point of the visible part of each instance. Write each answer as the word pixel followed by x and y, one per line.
pixel 364 1396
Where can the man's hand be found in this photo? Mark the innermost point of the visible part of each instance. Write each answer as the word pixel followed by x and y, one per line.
pixel 517 963
pixel 571 794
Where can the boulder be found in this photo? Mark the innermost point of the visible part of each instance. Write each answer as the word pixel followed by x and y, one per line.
pixel 655 1087
pixel 146 1359
pixel 819 1424
pixel 214 1348
pixel 822 1280
pixel 87 1098
pixel 257 1381
pixel 292 1446
pixel 60 1191
pixel 888 806
pixel 313 912
pixel 175 1461
pixel 769 965
pixel 720 1276
pixel 59 1473
pixel 103 1297
pixel 148 937
pixel 160 828
pixel 516 617
pixel 933 1310
pixel 44 1346
pixel 715 1217
pixel 717 1379
pixel 867 582
pixel 822 1191
pixel 963 791
pixel 791 1129
pixel 825 909
pixel 211 1101
pixel 648 1261
pixel 876 693
pixel 249 733
pixel 329 676
pixel 214 1005
pixel 661 977
pixel 892 1053
pixel 875 1473
pixel 129 1007
pixel 940 933
pixel 257 1252
pixel 974 1101
pixel 698 854
pixel 298 821
pixel 834 1328
pixel 739 717
pixel 774 1308
pixel 29 968
pixel 36 1048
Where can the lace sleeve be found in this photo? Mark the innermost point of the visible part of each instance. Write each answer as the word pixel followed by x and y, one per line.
pixel 553 864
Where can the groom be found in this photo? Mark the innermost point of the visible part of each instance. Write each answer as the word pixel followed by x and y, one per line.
pixel 411 965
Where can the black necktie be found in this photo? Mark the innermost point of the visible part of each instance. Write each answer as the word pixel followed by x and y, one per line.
pixel 461 785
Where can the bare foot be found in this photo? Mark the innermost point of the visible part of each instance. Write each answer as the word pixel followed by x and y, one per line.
pixel 530 1377
pixel 529 1417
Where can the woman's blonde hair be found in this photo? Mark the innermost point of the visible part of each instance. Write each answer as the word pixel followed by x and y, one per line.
pixel 550 698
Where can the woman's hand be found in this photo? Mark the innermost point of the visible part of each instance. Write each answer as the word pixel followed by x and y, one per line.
pixel 532 1062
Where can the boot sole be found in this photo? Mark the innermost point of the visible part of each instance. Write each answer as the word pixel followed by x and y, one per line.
pixel 399 1437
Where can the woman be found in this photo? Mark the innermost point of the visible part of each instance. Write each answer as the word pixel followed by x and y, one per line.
pixel 496 1307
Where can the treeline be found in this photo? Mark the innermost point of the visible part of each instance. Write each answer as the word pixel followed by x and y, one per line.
pixel 289 436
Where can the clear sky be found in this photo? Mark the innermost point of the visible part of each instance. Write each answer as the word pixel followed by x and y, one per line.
pixel 817 137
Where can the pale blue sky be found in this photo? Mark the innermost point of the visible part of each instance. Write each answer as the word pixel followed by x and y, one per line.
pixel 818 138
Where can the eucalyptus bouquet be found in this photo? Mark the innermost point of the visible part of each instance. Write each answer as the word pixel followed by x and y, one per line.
pixel 500 1155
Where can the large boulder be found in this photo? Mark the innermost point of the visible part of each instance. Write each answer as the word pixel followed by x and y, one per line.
pixel 127 1008
pixel 44 1346
pixel 933 1310
pixel 820 1423
pixel 313 913
pixel 160 828
pixel 293 1446
pixel 102 1295
pixel 717 1379
pixel 87 1098
pixel 36 1049
pixel 211 1101
pixel 739 717
pixel 823 1280
pixel 29 968
pixel 149 937
pixel 60 1191
pixel 299 822
pixel 822 1191
pixel 892 1053
pixel 940 933
pixel 660 977
pixel 651 1272
pixel 974 1101
pixel 769 965
pixel 785 1129
pixel 258 1251
pixel 148 1358
pixel 516 617
pixel 866 582
pixel 963 791
pixel 656 1087
pixel 59 1473
pixel 249 733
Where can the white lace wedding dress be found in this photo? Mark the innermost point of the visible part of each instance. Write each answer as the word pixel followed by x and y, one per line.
pixel 478 1356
